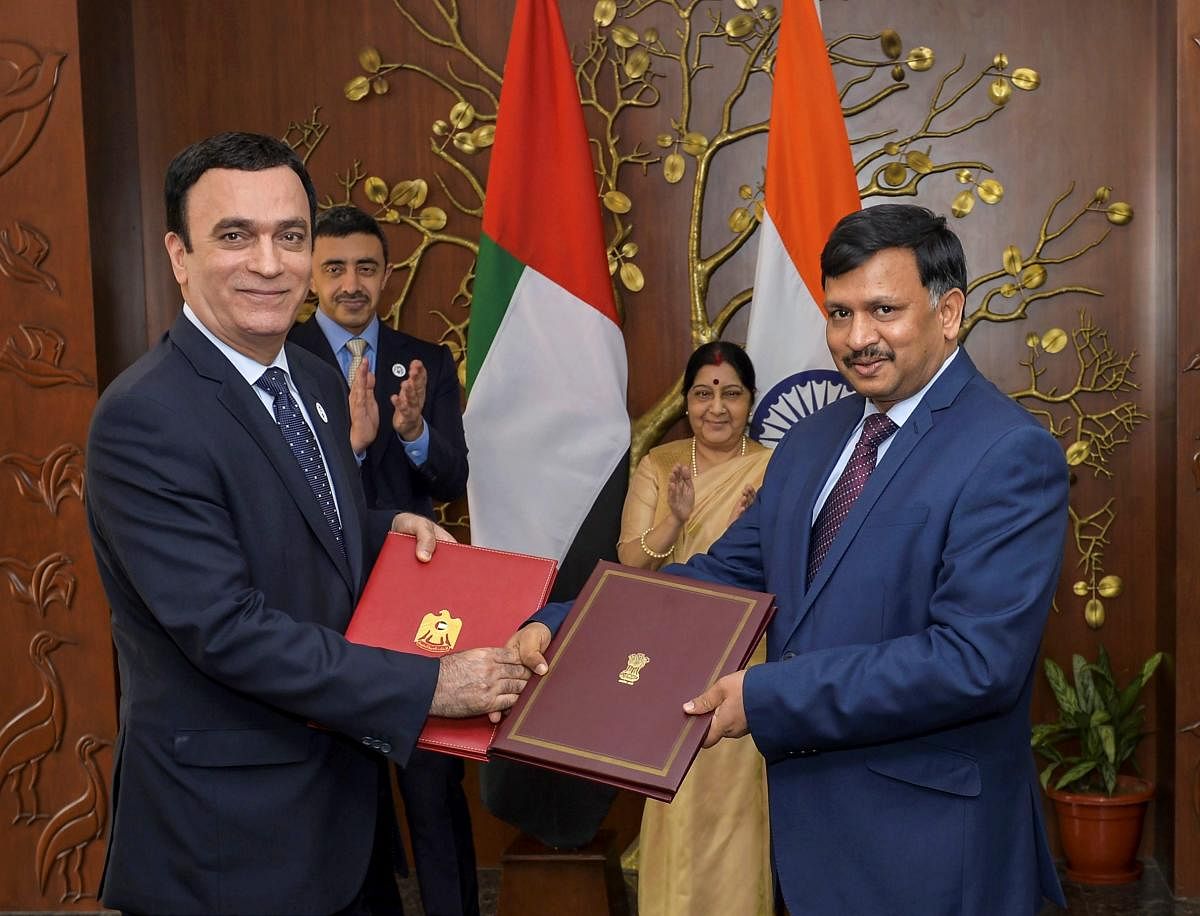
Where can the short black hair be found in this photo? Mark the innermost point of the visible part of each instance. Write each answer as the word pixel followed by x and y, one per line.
pixel 347 219
pixel 864 233
pixel 242 152
pixel 713 354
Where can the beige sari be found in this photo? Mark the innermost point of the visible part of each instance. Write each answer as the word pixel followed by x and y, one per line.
pixel 709 850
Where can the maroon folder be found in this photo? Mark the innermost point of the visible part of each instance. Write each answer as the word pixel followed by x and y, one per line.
pixel 464 598
pixel 635 646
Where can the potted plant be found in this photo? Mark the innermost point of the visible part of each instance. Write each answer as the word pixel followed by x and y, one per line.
pixel 1100 809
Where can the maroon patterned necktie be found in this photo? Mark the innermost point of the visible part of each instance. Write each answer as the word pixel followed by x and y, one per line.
pixel 877 427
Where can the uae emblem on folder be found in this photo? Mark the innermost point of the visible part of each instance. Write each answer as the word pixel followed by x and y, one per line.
pixel 438 632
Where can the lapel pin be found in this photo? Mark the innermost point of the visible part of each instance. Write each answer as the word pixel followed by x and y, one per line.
pixel 321 413
pixel 398 370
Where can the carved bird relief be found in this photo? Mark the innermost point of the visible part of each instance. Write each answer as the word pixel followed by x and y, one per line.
pixel 80 823
pixel 22 251
pixel 35 731
pixel 51 479
pixel 42 584
pixel 27 81
pixel 36 359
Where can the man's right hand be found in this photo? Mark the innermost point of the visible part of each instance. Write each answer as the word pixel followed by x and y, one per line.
pixel 478 681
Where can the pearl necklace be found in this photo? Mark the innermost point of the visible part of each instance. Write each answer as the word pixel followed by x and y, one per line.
pixel 696 473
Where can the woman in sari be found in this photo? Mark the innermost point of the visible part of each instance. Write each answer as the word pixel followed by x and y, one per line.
pixel 709 850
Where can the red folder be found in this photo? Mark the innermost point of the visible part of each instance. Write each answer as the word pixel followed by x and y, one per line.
pixel 465 597
pixel 635 646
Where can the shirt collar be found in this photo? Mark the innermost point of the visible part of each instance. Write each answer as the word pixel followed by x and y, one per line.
pixel 902 410
pixel 249 368
pixel 338 335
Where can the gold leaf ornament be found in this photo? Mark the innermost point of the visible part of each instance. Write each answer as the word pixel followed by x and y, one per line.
pixel 1008 290
pixel 376 190
pixel 990 191
pixel 1032 340
pixel 894 174
pixel 1093 613
pixel 920 59
pixel 694 143
pixel 617 202
pixel 1077 452
pixel 631 277
pixel 1102 194
pixel 898 73
pixel 357 88
pixel 745 192
pixel 637 63
pixel 673 167
pixel 889 41
pixel 432 218
pixel 485 136
pixel 740 220
pixel 664 140
pixel 1012 260
pixel 1080 588
pixel 1119 213
pixel 919 162
pixel 604 13
pixel 380 85
pixel 1110 587
pixel 739 26
pixel 1026 79
pixel 746 4
pixel 369 60
pixel 1000 61
pixel 1054 340
pixel 999 91
pixel 463 142
pixel 629 250
pixel 441 128
pixel 410 193
pixel 963 203
pixel 650 36
pixel 391 216
pixel 1032 277
pixel 964 176
pixel 624 36
pixel 462 114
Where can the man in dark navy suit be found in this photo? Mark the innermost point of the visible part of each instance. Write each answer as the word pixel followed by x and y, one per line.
pixel 233 541
pixel 409 437
pixel 912 535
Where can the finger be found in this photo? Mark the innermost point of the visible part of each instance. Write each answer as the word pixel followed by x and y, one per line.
pixel 713 735
pixel 495 716
pixel 443 535
pixel 504 701
pixel 510 674
pixel 426 540
pixel 705 703
pixel 511 687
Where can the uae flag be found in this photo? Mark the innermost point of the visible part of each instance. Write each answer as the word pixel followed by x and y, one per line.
pixel 810 185
pixel 546 418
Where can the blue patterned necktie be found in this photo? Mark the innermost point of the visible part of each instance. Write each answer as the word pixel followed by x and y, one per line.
pixel 877 428
pixel 303 443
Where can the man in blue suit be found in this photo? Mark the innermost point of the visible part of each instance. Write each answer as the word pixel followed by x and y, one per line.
pixel 912 535
pixel 233 541
pixel 412 449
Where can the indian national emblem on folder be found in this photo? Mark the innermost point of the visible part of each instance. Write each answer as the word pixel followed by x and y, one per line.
pixel 438 632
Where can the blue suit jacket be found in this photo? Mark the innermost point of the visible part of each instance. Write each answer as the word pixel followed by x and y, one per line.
pixel 389 478
pixel 228 597
pixel 893 711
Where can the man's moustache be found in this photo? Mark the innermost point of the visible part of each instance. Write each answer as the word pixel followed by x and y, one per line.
pixel 868 353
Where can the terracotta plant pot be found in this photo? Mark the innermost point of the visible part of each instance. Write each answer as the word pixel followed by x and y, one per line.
pixel 1100 835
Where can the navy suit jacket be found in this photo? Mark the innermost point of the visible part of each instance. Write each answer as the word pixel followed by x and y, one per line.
pixel 893 711
pixel 389 478
pixel 250 730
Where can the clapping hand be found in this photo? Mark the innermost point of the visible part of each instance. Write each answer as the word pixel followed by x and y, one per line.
pixel 743 503
pixel 364 410
pixel 681 494
pixel 408 403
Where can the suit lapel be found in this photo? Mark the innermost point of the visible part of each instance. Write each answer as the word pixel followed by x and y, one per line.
pixel 247 409
pixel 904 442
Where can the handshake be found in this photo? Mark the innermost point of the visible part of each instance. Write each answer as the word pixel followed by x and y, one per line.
pixel 489 680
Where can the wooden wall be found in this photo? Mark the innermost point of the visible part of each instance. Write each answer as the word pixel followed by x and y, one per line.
pixel 1116 106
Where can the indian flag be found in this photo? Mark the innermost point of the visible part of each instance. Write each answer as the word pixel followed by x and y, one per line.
pixel 810 185
pixel 546 418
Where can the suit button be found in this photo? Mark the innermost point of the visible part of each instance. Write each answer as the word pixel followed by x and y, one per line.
pixel 787 656
pixel 367 741
pixel 385 748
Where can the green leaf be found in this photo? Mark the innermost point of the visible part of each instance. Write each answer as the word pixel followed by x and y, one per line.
pixel 1075 774
pixel 1063 693
pixel 1148 669
pixel 1104 664
pixel 1085 689
pixel 1108 741
pixel 1099 717
pixel 1108 772
pixel 1043 734
pixel 1045 775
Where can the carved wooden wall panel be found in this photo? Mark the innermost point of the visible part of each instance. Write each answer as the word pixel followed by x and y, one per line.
pixel 57 696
